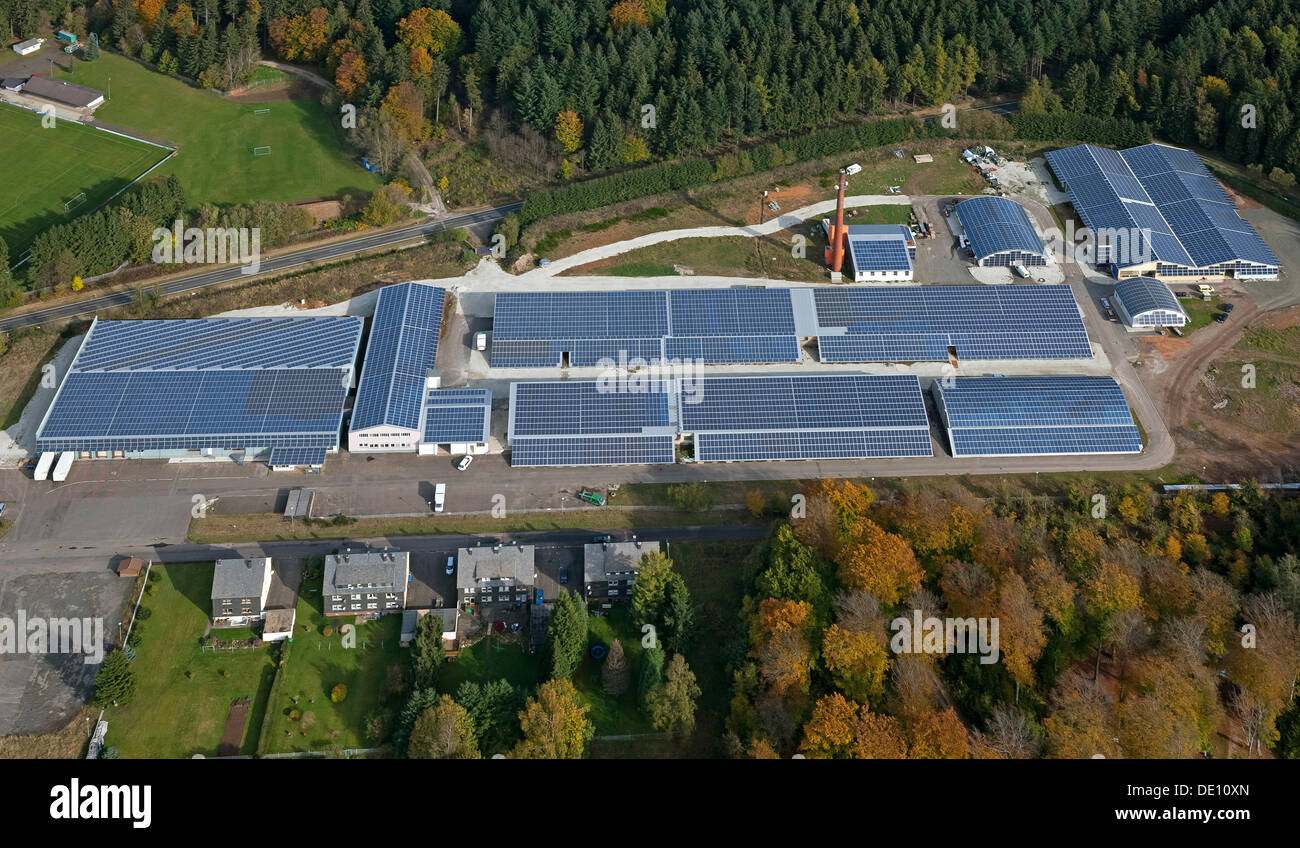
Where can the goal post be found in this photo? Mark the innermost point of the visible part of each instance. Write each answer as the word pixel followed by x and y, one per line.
pixel 261 151
pixel 261 111
pixel 76 201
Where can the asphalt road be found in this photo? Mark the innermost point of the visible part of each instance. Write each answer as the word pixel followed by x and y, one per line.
pixel 228 273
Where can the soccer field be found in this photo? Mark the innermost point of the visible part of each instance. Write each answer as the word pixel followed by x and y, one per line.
pixel 215 137
pixel 43 168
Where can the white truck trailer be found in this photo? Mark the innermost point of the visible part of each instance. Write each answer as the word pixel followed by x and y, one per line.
pixel 43 465
pixel 63 466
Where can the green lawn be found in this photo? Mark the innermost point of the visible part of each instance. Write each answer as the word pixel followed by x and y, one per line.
pixel 174 716
pixel 493 658
pixel 613 715
pixel 49 166
pixel 215 137
pixel 1200 313
pixel 317 663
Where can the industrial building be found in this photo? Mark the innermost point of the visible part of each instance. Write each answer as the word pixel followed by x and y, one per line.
pixel 548 329
pixel 1000 232
pixel 249 388
pixel 949 323
pixel 718 419
pixel 399 405
pixel 1039 416
pixel 1155 210
pixel 879 252
pixel 1145 302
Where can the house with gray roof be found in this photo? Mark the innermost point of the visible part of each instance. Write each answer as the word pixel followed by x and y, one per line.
pixel 239 590
pixel 503 574
pixel 609 569
pixel 366 583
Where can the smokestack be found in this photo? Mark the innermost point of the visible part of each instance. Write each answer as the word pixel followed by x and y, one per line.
pixel 835 250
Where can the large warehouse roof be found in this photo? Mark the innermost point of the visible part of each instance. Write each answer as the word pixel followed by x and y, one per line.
pixel 1145 301
pixel 920 323
pixel 536 329
pixel 583 423
pixel 215 382
pixel 1166 191
pixel 1006 416
pixel 402 350
pixel 997 225
pixel 846 416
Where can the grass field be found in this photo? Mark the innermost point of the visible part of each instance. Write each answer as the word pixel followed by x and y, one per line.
pixel 173 715
pixel 48 166
pixel 215 137
pixel 317 663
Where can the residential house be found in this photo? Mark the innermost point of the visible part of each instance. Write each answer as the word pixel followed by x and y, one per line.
pixel 504 574
pixel 366 583
pixel 239 590
pixel 609 569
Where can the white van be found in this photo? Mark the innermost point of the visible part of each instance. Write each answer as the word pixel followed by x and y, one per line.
pixel 439 496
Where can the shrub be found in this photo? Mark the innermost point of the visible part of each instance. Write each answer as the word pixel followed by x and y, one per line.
pixel 339 693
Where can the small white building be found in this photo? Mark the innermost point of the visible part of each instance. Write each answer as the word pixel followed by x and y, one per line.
pixel 879 252
pixel 278 625
pixel 31 45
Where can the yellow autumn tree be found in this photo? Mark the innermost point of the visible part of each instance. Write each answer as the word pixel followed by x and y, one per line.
pixel 857 661
pixel 554 724
pixel 628 13
pixel 568 130
pixel 431 29
pixel 879 562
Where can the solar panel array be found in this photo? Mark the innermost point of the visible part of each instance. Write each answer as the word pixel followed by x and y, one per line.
pixel 403 348
pixel 588 423
pixel 877 254
pixel 1167 193
pixel 457 416
pixel 998 225
pixel 1145 301
pixel 189 385
pixel 920 323
pixel 1007 416
pixel 838 416
pixel 297 457
pixel 536 329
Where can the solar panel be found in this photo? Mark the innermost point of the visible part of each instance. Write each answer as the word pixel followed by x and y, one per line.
pixel 1193 222
pixel 456 416
pixel 613 450
pixel 194 385
pixel 1138 295
pixel 879 254
pixel 1000 416
pixel 538 329
pixel 403 348
pixel 920 323
pixel 997 225
pixel 297 457
pixel 806 417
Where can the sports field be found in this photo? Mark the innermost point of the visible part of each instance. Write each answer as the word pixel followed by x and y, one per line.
pixel 215 137
pixel 46 167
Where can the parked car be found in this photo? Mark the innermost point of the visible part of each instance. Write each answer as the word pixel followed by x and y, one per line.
pixel 539 596
pixel 2 509
pixel 1221 317
pixel 439 497
pixel 592 497
pixel 1105 303
pixel 564 575
pixel 1228 307
pixel 451 565
pixel 600 540
pixel 464 462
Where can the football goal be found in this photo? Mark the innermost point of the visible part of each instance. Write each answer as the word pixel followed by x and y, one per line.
pixel 75 202
pixel 261 151
pixel 261 111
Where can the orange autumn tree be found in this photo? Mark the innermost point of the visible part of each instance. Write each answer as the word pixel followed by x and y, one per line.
pixel 840 728
pixel 351 73
pixel 148 11
pixel 879 562
pixel 627 13
pixel 306 37
pixel 430 29
pixel 779 640
pixel 404 104
pixel 830 509
pixel 937 736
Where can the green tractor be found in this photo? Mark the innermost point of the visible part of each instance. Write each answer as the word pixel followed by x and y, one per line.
pixel 591 497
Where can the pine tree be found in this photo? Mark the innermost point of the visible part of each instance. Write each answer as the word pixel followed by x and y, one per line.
pixel 426 652
pixel 614 674
pixel 115 684
pixel 92 48
pixel 650 674
pixel 566 636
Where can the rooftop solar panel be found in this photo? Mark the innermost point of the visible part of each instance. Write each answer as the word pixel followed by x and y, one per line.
pixel 1199 218
pixel 205 387
pixel 538 329
pixel 919 323
pixel 456 416
pixel 402 350
pixel 995 416
pixel 297 457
